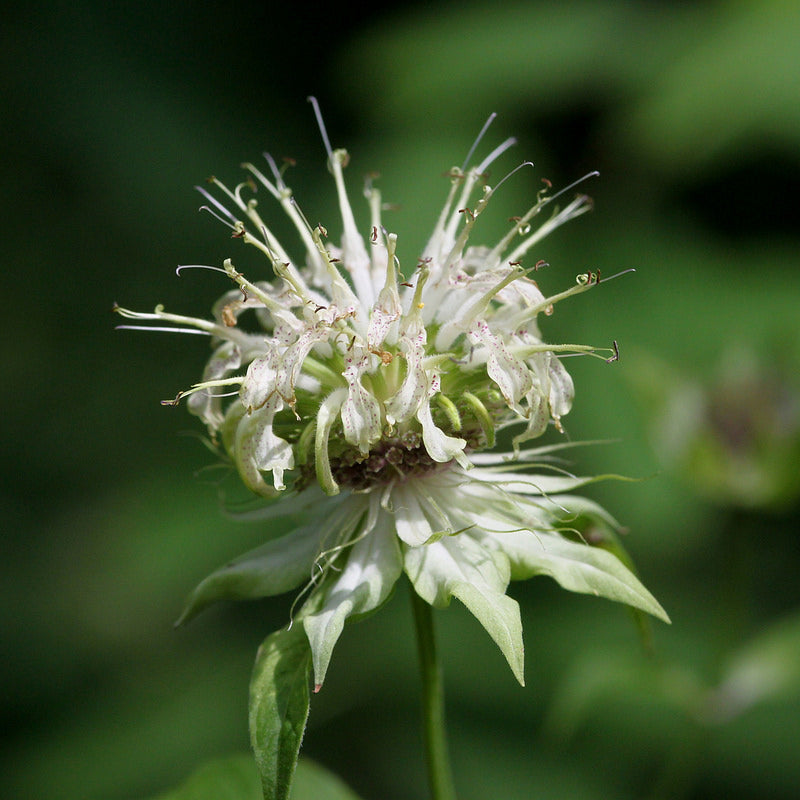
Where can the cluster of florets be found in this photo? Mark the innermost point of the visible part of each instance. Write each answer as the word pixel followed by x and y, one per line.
pixel 355 357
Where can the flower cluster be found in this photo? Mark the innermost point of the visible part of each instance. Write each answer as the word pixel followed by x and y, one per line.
pixel 372 398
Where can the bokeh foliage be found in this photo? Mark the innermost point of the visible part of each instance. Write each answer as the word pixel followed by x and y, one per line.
pixel 692 116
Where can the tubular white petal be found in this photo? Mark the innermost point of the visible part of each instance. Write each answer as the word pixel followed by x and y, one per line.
pixel 354 253
pixel 361 413
pixel 387 310
pixel 511 375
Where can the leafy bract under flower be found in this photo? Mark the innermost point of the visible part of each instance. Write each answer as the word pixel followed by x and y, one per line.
pixel 455 533
pixel 374 391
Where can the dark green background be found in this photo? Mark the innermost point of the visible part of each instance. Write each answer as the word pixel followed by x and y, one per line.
pixel 111 114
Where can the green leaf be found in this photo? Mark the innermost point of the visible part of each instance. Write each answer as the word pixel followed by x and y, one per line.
pixel 313 782
pixel 279 703
pixel 232 778
pixel 236 778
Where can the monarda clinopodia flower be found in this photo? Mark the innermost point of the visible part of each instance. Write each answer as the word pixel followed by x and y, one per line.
pixel 371 402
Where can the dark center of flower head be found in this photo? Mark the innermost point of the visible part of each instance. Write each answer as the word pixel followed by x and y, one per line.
pixel 398 458
pixel 394 459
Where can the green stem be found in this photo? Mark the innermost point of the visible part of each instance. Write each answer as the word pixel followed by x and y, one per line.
pixel 440 776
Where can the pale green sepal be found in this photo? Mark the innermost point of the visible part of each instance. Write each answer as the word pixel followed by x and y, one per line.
pixel 326 417
pixel 275 567
pixel 576 566
pixel 483 417
pixel 461 567
pixel 372 569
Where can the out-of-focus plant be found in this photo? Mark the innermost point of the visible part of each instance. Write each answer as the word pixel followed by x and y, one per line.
pixel 759 673
pixel 733 437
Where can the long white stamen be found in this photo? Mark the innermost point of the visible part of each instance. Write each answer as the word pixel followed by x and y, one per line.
pixel 221 208
pixel 342 293
pixel 289 205
pixel 321 124
pixel 273 189
pixel 200 387
pixel 521 224
pixel 577 207
pixel 270 303
pixel 471 217
pixel 477 141
pixel 496 153
pixel 164 329
pixel 592 174
pixel 472 177
pixel 436 241
pixel 160 314
pixel 235 195
pixel 279 182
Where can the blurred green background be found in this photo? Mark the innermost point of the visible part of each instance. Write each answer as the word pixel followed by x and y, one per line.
pixel 691 113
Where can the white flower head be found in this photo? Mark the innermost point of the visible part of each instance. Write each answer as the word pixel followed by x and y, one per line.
pixel 380 389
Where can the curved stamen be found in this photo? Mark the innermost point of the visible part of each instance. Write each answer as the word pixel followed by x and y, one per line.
pixel 513 172
pixel 182 267
pixel 279 182
pixel 221 208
